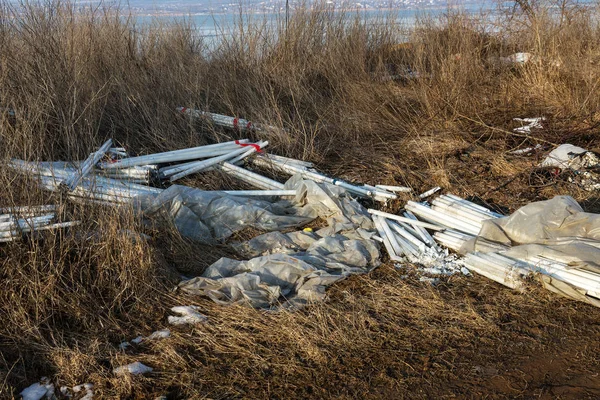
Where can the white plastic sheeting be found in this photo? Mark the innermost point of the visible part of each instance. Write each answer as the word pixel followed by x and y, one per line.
pixel 291 269
pixel 215 216
pixel 542 221
pixel 565 156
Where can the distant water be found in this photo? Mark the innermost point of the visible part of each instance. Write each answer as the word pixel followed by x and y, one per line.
pixel 212 26
pixel 219 24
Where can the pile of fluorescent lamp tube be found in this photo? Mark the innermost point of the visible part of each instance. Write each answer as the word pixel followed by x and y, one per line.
pixel 16 221
pixel 293 167
pixel 225 121
pixel 91 188
pixel 407 239
pixel 453 221
pixel 456 221
pixel 110 176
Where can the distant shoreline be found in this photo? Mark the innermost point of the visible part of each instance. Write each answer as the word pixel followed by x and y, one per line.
pixel 179 14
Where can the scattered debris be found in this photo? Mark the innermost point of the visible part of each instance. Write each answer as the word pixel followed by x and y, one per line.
pixel 531 123
pixel 527 150
pixel 39 390
pixel 289 270
pixel 161 334
pixel 136 368
pixel 189 315
pixel 88 388
pixel 584 165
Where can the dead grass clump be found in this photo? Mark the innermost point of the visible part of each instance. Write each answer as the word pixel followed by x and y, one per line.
pixel 69 294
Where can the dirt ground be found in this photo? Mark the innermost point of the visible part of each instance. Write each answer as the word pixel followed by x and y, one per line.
pixel 387 335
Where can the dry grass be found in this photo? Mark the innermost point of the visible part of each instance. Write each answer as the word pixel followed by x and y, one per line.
pixel 67 301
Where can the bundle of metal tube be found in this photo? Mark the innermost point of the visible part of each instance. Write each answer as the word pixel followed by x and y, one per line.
pixel 72 181
pixel 453 212
pixel 28 219
pixel 455 240
pixel 110 191
pixel 405 237
pixel 307 173
pixel 177 172
pixel 194 153
pixel 138 174
pixel 496 266
pixel 504 270
pixel 226 121
pixel 584 279
pixel 91 187
pixel 60 174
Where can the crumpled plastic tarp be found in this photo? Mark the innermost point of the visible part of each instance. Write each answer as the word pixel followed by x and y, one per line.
pixel 214 216
pixel 284 269
pixel 210 217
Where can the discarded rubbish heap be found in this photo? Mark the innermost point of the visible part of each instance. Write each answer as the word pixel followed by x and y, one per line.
pixel 288 266
pixel 581 166
pixel 284 269
pixel 554 238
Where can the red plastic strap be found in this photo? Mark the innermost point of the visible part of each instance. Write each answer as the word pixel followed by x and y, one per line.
pixel 183 109
pixel 257 147
pixel 249 126
pixel 235 123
